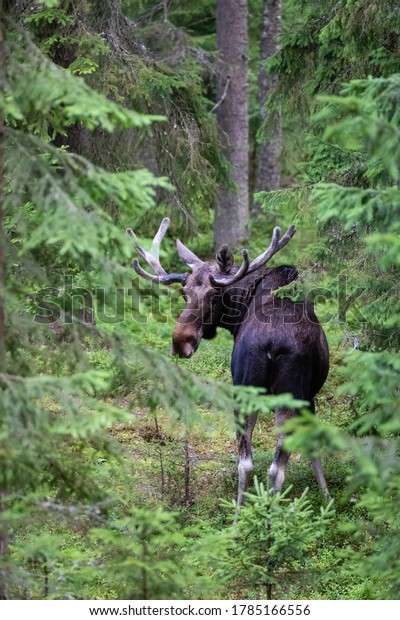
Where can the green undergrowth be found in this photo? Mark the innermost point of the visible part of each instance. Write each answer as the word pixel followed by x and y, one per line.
pixel 188 470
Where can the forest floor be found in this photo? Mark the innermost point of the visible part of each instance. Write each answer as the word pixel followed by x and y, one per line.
pixel 192 470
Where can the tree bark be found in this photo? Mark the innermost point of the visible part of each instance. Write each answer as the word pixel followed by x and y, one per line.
pixel 269 164
pixel 231 214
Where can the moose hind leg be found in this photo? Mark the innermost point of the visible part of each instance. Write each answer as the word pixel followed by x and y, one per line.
pixel 245 464
pixel 281 458
pixel 319 474
pixel 278 467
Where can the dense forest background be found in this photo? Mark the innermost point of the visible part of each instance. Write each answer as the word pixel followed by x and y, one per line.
pixel 118 463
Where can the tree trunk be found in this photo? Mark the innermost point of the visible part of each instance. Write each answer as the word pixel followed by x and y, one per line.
pixel 231 214
pixel 269 165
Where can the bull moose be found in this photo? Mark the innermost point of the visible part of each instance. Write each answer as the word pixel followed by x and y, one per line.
pixel 279 344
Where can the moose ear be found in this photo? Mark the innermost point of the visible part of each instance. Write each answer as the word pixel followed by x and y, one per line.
pixel 224 258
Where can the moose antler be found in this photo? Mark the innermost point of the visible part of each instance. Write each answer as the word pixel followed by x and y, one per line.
pixel 246 267
pixel 152 258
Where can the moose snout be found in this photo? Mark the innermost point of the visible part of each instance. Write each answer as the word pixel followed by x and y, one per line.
pixel 185 350
pixel 184 341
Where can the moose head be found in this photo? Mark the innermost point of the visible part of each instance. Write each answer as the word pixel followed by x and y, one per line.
pixel 204 286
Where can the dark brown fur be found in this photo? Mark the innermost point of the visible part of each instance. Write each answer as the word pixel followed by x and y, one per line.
pixel 279 345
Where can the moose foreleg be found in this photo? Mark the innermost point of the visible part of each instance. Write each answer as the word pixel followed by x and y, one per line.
pixel 245 465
